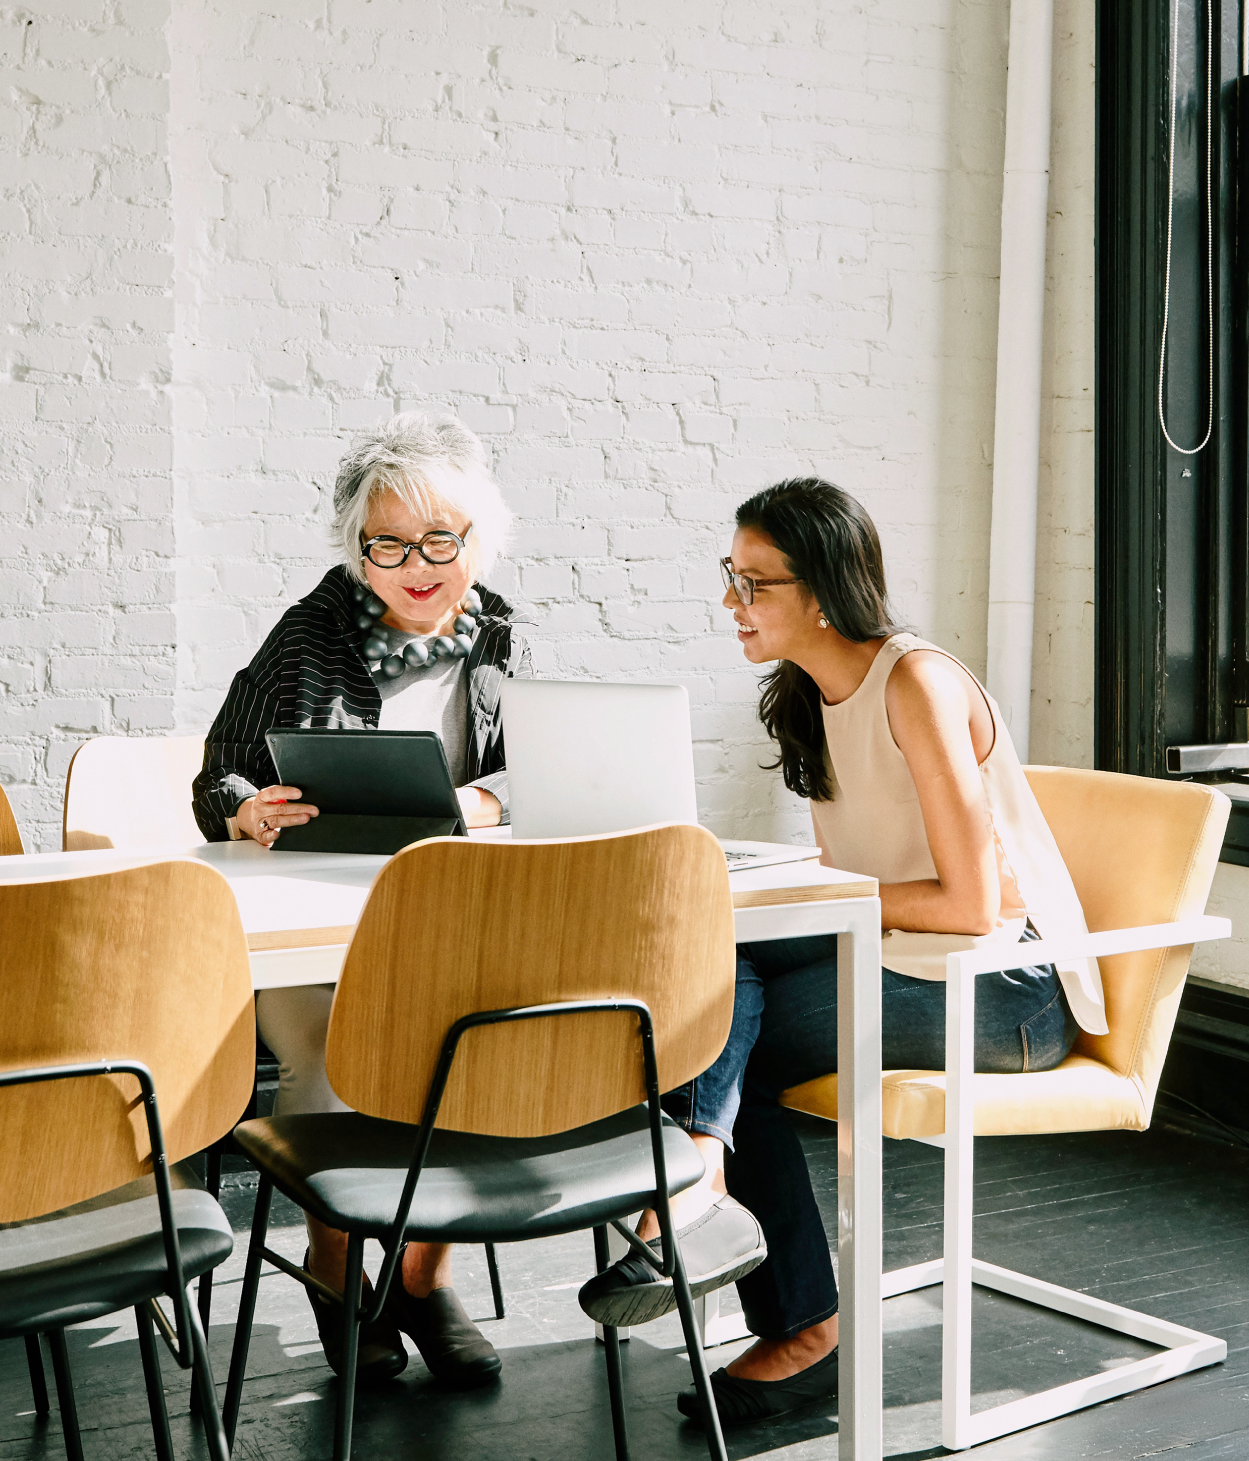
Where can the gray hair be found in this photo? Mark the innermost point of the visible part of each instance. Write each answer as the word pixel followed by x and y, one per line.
pixel 427 461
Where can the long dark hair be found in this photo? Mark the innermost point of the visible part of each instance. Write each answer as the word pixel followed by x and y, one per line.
pixel 829 542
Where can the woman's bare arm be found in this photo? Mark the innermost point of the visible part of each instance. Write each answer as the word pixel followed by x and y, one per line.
pixel 933 719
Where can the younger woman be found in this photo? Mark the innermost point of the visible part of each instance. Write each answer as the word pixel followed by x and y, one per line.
pixel 912 778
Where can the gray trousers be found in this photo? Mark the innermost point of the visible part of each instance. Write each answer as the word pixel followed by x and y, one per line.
pixel 293 1023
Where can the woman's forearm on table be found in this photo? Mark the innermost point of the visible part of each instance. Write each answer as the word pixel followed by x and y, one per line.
pixel 925 906
pixel 237 762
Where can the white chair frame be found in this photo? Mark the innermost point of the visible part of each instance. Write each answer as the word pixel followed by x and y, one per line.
pixel 1183 1349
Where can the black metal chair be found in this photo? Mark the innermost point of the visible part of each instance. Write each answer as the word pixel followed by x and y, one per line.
pixel 266 1071
pixel 124 1249
pixel 150 962
pixel 599 972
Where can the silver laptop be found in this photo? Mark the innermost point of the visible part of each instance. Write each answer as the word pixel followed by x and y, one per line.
pixel 585 757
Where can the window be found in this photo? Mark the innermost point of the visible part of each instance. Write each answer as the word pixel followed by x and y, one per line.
pixel 1172 651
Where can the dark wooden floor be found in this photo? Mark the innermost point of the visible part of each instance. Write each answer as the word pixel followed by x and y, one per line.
pixel 1158 1222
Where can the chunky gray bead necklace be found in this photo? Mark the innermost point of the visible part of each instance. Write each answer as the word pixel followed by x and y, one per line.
pixel 416 655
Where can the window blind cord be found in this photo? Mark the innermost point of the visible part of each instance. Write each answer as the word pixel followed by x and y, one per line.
pixel 1166 289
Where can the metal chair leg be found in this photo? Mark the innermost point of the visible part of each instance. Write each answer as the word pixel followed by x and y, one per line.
pixel 214 1431
pixel 38 1384
pixel 149 1349
pixel 204 1293
pixel 698 1361
pixel 611 1345
pixel 212 1170
pixel 212 1180
pixel 247 1308
pixel 496 1288
pixel 204 1297
pixel 65 1394
pixel 351 1339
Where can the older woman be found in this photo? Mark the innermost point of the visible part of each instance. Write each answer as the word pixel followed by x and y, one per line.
pixel 401 636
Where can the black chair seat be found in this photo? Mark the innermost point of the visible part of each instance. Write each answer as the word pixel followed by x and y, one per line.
pixel 348 1170
pixel 97 1257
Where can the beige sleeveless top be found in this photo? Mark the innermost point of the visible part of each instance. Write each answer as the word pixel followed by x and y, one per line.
pixel 873 825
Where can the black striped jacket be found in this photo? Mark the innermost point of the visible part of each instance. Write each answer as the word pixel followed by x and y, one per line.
pixel 310 672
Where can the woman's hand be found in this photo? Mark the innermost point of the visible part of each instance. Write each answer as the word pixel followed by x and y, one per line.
pixel 262 817
pixel 479 808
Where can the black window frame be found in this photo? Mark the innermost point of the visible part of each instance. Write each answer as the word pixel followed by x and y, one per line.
pixel 1171 621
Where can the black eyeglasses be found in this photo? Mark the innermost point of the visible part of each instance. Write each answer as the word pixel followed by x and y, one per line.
pixel 743 586
pixel 440 546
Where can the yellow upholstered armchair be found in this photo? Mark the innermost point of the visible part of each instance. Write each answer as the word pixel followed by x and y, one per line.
pixel 1142 855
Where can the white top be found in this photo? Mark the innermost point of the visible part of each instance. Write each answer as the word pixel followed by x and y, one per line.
pixel 873 822
pixel 429 699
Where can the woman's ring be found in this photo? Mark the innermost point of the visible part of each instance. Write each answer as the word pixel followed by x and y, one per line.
pixel 264 826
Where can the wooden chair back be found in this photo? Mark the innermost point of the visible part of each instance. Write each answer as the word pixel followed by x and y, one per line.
pixel 10 837
pixel 454 927
pixel 147 963
pixel 1139 851
pixel 133 791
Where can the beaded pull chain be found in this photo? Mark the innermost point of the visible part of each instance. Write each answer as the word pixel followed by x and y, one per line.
pixel 416 655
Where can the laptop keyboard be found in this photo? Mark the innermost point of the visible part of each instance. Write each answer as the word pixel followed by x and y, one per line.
pixel 739 860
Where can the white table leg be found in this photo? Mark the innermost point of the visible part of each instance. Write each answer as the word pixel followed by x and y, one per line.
pixel 717 1328
pixel 960 1116
pixel 859 1178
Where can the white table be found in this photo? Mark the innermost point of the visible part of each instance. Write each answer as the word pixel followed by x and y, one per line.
pixel 298 911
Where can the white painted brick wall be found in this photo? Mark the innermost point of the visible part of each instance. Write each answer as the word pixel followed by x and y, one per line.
pixel 656 255
pixel 86 528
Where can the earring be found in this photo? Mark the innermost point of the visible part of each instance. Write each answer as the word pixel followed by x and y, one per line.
pixel 823 622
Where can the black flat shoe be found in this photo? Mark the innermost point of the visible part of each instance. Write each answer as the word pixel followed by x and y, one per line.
pixel 718 1248
pixel 453 1348
pixel 380 1354
pixel 739 1402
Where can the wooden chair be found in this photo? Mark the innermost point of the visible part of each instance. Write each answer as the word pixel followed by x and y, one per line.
pixel 10 837
pixel 562 986
pixel 1142 855
pixel 127 1045
pixel 133 791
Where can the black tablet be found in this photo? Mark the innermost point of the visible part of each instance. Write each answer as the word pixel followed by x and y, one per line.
pixel 380 788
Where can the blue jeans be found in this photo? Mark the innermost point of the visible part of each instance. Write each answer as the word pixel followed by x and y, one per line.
pixel 784 1032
